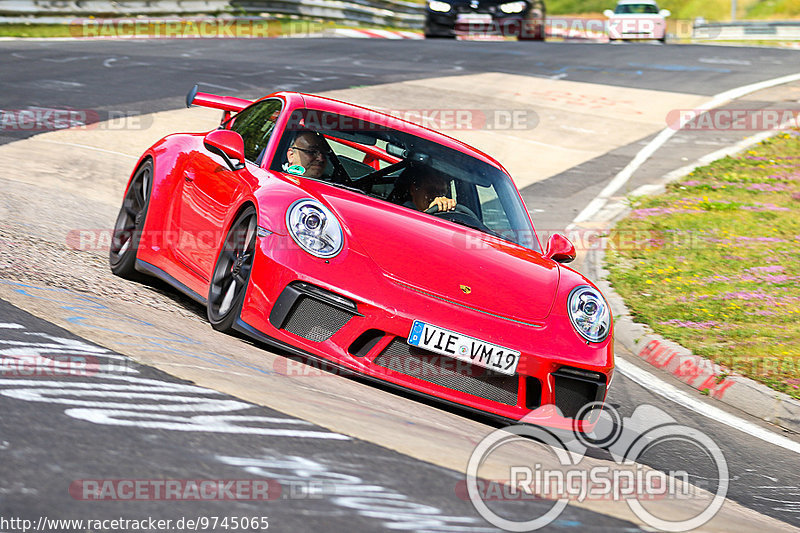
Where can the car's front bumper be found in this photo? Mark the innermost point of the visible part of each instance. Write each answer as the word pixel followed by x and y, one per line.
pixel 469 24
pixel 361 323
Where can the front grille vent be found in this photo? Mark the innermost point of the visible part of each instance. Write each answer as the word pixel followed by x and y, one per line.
pixel 311 312
pixel 315 320
pixel 448 372
pixel 575 388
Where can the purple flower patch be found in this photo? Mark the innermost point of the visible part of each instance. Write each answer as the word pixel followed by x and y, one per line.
pixel 774 268
pixel 652 212
pixel 743 295
pixel 767 187
pixel 710 324
pixel 765 207
pixel 764 312
pixel 760 239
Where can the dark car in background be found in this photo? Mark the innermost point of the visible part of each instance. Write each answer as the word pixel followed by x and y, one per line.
pixel 523 19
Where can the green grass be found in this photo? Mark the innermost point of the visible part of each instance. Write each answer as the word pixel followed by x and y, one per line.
pixel 715 262
pixel 34 30
pixel 718 10
pixel 244 28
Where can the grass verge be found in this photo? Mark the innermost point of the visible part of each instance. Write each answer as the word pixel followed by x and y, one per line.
pixel 714 262
pixel 199 27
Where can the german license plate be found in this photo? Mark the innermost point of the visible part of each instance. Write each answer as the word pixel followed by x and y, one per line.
pixel 473 18
pixel 463 347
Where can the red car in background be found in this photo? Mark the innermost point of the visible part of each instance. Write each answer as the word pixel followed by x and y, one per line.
pixel 298 223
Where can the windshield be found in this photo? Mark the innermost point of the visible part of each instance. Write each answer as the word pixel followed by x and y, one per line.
pixel 638 9
pixel 401 168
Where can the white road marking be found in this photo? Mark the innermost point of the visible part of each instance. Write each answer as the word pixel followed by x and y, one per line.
pixel 65 59
pixel 638 375
pixel 644 154
pixel 657 386
pixel 394 510
pixel 707 160
pixel 723 61
pixel 6 325
pixel 89 148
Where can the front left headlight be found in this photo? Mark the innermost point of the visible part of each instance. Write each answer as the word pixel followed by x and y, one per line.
pixel 441 7
pixel 589 313
pixel 513 7
pixel 314 228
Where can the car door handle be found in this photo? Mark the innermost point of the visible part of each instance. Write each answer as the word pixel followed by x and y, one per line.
pixel 188 176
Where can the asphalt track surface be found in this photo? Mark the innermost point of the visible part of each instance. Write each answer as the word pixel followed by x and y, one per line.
pixel 50 460
pixel 43 450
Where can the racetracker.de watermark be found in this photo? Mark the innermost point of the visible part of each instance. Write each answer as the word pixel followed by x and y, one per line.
pixel 175 490
pixel 35 119
pixel 469 119
pixel 733 119
pixel 581 28
pixel 422 366
pixel 583 240
pixel 50 366
pixel 191 28
pixel 434 118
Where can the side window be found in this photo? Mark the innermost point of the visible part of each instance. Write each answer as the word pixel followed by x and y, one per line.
pixel 255 125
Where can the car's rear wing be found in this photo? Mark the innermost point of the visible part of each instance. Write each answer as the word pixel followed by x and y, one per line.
pixel 229 104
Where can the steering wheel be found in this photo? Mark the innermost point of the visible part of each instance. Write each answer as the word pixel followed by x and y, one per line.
pixel 464 216
pixel 434 210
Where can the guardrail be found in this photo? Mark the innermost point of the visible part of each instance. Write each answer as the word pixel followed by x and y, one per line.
pixel 383 12
pixel 747 30
pixel 106 8
pixel 379 12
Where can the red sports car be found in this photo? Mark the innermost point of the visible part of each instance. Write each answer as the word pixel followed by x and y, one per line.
pixel 349 236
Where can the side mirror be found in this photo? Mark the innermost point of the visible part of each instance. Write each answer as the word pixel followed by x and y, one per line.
pixel 665 13
pixel 228 145
pixel 559 249
pixel 608 13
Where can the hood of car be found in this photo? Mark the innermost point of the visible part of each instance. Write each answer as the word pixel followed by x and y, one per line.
pixel 450 262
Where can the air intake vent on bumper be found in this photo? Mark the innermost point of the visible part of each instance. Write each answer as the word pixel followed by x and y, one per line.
pixel 448 372
pixel 311 312
pixel 575 387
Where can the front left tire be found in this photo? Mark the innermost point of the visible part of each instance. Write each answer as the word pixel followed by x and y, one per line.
pixel 232 272
pixel 130 221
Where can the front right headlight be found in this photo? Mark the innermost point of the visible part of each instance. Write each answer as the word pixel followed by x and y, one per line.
pixel 589 313
pixel 314 228
pixel 441 7
pixel 513 7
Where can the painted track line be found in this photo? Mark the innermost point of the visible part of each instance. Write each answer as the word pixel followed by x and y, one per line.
pixel 657 386
pixel 87 147
pixel 645 153
pixel 636 374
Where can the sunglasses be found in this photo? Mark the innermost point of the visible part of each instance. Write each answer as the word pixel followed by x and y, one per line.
pixel 312 153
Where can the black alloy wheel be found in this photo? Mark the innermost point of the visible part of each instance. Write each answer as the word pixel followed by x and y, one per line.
pixel 129 224
pixel 232 272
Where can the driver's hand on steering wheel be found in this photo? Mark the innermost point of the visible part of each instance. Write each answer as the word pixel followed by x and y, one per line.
pixel 443 203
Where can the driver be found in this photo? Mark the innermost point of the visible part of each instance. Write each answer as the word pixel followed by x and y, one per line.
pixel 310 151
pixel 429 188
